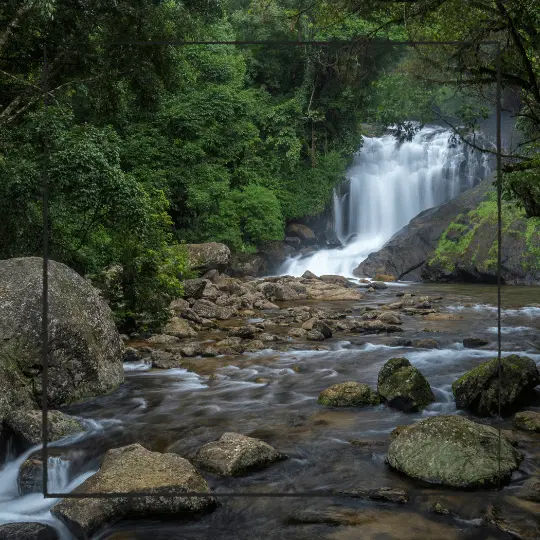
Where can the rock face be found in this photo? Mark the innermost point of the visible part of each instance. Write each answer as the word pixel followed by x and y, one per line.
pixel 27 425
pixel 403 387
pixel 477 390
pixel 234 454
pixel 209 256
pixel 452 451
pixel 133 469
pixel 527 421
pixel 85 356
pixel 27 531
pixel 406 253
pixel 348 394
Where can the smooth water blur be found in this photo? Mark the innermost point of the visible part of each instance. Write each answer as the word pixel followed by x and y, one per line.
pixel 388 184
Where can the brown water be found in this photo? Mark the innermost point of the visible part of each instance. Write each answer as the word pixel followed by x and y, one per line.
pixel 179 410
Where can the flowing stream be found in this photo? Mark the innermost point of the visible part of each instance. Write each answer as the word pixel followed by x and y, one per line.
pixel 387 185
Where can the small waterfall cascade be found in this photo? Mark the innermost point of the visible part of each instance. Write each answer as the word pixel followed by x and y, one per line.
pixel 387 185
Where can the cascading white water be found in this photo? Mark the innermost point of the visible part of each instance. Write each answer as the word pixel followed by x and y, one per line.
pixel 388 184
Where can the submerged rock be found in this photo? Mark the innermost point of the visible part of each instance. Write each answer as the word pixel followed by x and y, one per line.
pixel 27 531
pixel 452 451
pixel 134 469
pixel 478 389
pixel 403 387
pixel 527 421
pixel 234 454
pixel 386 494
pixel 27 425
pixel 85 350
pixel 348 394
pixel 474 343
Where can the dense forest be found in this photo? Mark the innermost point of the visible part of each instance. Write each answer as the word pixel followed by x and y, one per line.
pixel 149 146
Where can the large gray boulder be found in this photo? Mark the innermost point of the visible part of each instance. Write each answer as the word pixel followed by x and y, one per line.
pixel 452 451
pixel 234 454
pixel 85 351
pixel 208 256
pixel 478 389
pixel 402 386
pixel 134 469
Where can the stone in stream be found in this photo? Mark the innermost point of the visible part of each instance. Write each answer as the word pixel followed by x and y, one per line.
pixel 134 469
pixel 315 335
pixel 27 425
pixel 178 327
pixel 348 394
pixel 27 531
pixel 85 354
pixel 386 494
pixel 530 490
pixel 426 343
pixel 452 451
pixel 234 454
pixel 474 342
pixel 478 389
pixel 527 421
pixel 403 387
pixel 165 360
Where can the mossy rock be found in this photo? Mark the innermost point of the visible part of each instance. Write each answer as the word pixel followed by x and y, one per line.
pixel 403 387
pixel 452 451
pixel 478 389
pixel 527 421
pixel 348 394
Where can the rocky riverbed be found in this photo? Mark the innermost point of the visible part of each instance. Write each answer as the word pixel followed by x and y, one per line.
pixel 246 357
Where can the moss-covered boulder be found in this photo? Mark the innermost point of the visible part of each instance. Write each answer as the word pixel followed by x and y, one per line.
pixel 527 421
pixel 452 451
pixel 85 350
pixel 478 389
pixel 402 386
pixel 348 394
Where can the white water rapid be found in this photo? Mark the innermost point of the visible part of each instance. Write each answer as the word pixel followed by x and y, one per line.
pixel 387 185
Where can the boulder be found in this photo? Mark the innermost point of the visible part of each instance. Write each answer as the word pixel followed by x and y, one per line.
pixel 27 425
pixel 244 332
pixel 315 335
pixel 527 421
pixel 209 310
pixel 336 280
pixel 387 494
pixel 234 454
pixel 452 451
pixel 278 291
pixel 426 343
pixel 309 275
pixel 379 285
pixel 247 264
pixel 403 387
pixel 374 327
pixel 478 389
pixel 163 339
pixel 530 490
pixel 323 328
pixel 194 288
pixel 85 349
pixel 208 256
pixel 27 531
pixel 179 328
pixel 165 360
pixel 306 235
pixel 348 394
pixel 133 469
pixel 474 343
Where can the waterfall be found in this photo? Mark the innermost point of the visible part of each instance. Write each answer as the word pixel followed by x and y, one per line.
pixel 387 185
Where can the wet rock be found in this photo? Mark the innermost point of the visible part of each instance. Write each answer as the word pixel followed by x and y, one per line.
pixel 474 343
pixel 379 285
pixel 165 360
pixel 179 328
pixel 452 451
pixel 385 277
pixel 244 332
pixel 268 338
pixel 403 387
pixel 297 332
pixel 386 494
pixel 234 454
pixel 212 255
pixel 348 394
pixel 336 280
pixel 322 328
pixel 133 469
pixel 131 355
pixel 439 508
pixel 27 531
pixel 332 515
pixel 426 343
pixel 512 521
pixel 194 288
pixel 278 291
pixel 399 342
pixel 309 275
pixel 315 335
pixel 308 325
pixel 254 345
pixel 27 425
pixel 85 350
pixel 30 478
pixel 191 349
pixel 527 421
pixel 293 241
pixel 530 490
pixel 389 317
pixel 163 339
pixel 443 317
pixel 303 232
pixel 374 327
pixel 478 389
